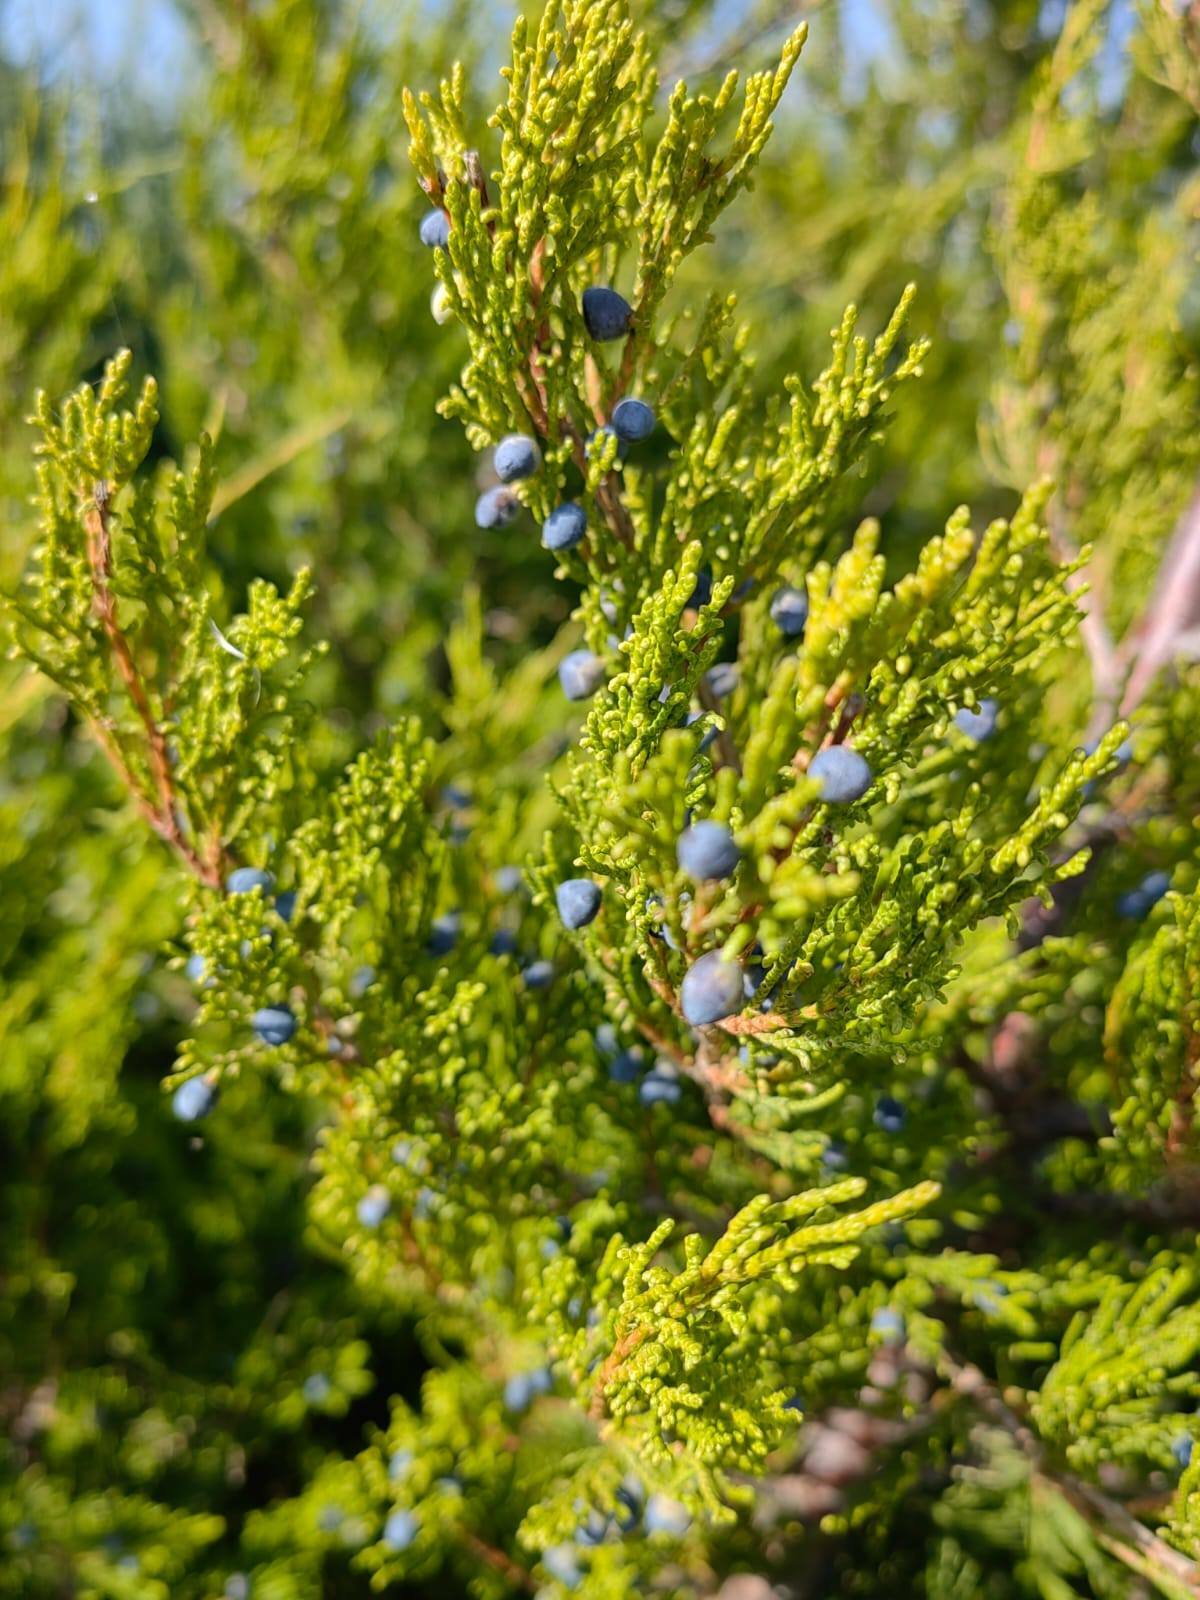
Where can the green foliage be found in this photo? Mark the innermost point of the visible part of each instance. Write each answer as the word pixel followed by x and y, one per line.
pixel 890 1281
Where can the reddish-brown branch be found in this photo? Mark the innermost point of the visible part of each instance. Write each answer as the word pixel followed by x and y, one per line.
pixel 620 1352
pixel 162 815
pixel 498 1561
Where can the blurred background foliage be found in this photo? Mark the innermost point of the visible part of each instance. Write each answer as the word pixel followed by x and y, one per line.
pixel 221 185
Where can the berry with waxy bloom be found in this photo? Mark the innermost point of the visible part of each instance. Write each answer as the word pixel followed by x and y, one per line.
pixel 374 1206
pixel 400 1530
pixel 606 314
pixel 193 1100
pixel 842 773
pixel 496 508
pixel 435 229
pixel 564 527
pixel 578 901
pixel 274 1024
pixel 517 456
pixel 632 420
pixel 706 851
pixel 711 989
pixel 580 674
pixel 242 880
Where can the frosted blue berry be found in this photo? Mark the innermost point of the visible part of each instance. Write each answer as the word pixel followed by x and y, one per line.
pixel 509 880
pixel 330 1518
pixel 400 1530
pixel 1181 1449
pixel 374 1206
pixel 707 851
pixel 581 674
pixel 538 974
pixel 285 905
pixel 889 1114
pixel 789 612
pixel 517 456
pixel 842 773
pixel 606 1039
pixel 274 1024
pixel 979 724
pixel 664 1515
pixel 606 314
pixel 196 967
pixel 243 879
pixel 237 1586
pixel 361 980
pixel 561 1563
pixel 888 1324
pixel 632 420
pixel 658 1089
pixel 317 1388
pixel 193 1100
pixel 578 901
pixel 722 679
pixel 444 932
pixel 399 1463
pixel 496 508
pixel 711 989
pixel 435 229
pixel 564 527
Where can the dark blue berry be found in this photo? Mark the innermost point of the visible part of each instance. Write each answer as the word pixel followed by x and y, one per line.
pixel 517 456
pixel 890 1115
pixel 578 901
pixel 274 1024
pixel 842 773
pixel 789 612
pixel 707 851
pixel 444 932
pixel 702 593
pixel 632 420
pixel 627 1066
pixel 580 674
pixel 979 724
pixel 193 1100
pixel 834 1157
pixel 496 508
pixel 711 989
pixel 504 942
pixel 1181 1449
pixel 606 314
pixel 564 527
pixel 538 974
pixel 244 879
pixel 435 229
pixel 285 904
